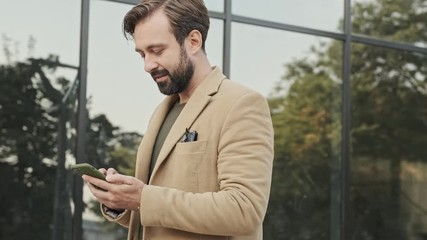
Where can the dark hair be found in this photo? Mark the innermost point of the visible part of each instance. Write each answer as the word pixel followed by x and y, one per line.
pixel 184 16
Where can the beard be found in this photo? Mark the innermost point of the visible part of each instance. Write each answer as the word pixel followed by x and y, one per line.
pixel 179 78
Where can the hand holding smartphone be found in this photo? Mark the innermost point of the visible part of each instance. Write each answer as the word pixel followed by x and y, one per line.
pixel 86 168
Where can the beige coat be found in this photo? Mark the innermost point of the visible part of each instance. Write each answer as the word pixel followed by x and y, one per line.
pixel 217 186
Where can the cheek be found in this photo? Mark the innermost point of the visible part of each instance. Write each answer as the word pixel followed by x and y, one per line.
pixel 172 63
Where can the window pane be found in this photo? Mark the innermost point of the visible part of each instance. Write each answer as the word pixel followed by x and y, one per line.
pixel 121 93
pixel 388 162
pixel 319 14
pixel 214 43
pixel 117 83
pixel 28 33
pixel 215 5
pixel 39 59
pixel 304 89
pixel 395 20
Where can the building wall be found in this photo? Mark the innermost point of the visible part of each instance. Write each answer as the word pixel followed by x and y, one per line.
pixel 346 82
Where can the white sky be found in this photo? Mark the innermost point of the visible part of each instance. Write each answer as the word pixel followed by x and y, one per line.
pixel 117 83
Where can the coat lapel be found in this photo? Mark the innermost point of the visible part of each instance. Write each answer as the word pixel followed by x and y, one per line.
pixel 195 105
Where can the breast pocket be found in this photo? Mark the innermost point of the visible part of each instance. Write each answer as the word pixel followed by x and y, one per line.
pixel 190 147
pixel 186 158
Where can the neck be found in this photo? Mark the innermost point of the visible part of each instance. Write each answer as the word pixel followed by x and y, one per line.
pixel 201 71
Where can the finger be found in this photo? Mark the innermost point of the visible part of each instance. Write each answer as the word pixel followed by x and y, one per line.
pixel 96 192
pixel 90 186
pixel 111 171
pixel 96 182
pixel 94 189
pixel 103 170
pixel 100 195
pixel 120 179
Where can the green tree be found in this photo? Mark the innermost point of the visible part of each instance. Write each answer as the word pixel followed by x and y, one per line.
pixel 389 122
pixel 30 103
pixel 389 116
pixel 27 147
pixel 306 122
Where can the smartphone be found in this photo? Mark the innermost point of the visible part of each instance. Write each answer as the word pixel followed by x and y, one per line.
pixel 86 168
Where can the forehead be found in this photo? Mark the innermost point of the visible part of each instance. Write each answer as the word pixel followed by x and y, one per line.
pixel 153 30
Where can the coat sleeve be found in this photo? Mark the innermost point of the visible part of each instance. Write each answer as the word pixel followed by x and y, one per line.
pixel 120 218
pixel 245 159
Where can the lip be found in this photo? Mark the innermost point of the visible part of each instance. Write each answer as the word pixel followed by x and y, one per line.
pixel 161 78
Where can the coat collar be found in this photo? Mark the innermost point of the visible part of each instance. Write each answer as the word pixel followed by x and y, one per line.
pixel 195 105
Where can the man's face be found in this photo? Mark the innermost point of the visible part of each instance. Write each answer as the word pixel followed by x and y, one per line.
pixel 179 77
pixel 166 61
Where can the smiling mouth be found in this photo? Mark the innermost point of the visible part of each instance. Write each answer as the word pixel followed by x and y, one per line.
pixel 160 77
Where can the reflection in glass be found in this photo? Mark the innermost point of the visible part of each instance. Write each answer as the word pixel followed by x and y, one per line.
pixel 214 43
pixel 38 67
pixel 319 14
pixel 396 20
pixel 117 82
pixel 303 75
pixel 52 29
pixel 389 126
pixel 258 54
pixel 215 5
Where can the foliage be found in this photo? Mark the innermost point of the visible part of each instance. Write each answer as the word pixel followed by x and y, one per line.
pixel 307 127
pixel 29 114
pixel 388 126
pixel 27 142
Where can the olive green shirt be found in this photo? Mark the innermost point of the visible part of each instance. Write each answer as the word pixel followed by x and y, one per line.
pixel 163 132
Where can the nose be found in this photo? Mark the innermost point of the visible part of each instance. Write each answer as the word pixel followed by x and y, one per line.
pixel 149 64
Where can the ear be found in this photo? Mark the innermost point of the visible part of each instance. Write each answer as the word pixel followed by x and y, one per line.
pixel 194 40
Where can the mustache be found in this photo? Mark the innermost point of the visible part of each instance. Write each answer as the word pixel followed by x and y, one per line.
pixel 158 73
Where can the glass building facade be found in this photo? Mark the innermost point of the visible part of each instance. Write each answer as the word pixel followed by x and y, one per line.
pixel 346 82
